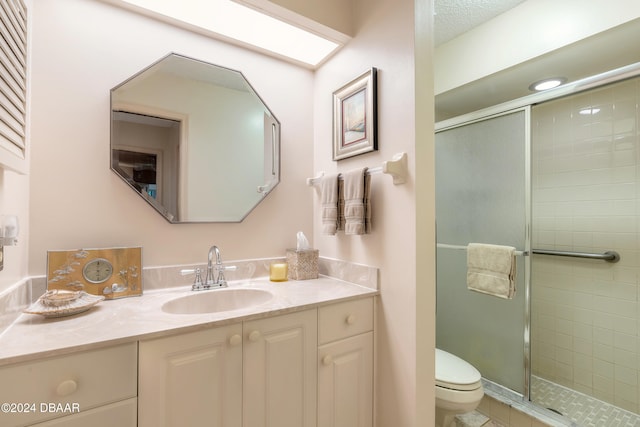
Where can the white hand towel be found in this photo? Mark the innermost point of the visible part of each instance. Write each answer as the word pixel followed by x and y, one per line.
pixel 340 204
pixel 329 200
pixel 491 269
pixel 355 202
pixel 367 204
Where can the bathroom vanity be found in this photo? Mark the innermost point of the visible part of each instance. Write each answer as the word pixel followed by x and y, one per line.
pixel 302 357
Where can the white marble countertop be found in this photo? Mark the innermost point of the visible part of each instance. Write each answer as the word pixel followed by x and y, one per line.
pixel 130 319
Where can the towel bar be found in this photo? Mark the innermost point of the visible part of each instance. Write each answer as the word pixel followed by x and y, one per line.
pixel 609 256
pixel 460 247
pixel 396 167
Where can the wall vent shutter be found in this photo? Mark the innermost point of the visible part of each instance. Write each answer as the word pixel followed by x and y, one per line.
pixel 13 76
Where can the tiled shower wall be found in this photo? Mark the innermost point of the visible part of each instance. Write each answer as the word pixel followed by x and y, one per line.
pixel 586 197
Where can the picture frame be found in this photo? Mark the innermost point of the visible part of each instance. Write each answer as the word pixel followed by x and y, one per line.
pixel 355 121
pixel 110 272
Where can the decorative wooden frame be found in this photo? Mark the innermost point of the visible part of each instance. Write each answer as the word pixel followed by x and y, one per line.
pixel 355 119
pixel 65 271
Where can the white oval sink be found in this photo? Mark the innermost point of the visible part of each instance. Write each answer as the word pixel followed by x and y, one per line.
pixel 217 300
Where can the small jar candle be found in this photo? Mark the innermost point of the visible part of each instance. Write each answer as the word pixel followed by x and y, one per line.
pixel 278 272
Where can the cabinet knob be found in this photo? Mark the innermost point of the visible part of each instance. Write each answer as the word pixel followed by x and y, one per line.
pixel 254 336
pixel 327 360
pixel 351 319
pixel 67 387
pixel 235 339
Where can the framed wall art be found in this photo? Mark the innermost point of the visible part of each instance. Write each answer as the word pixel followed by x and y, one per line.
pixel 355 119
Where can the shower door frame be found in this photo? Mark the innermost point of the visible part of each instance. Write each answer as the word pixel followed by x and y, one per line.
pixel 472 118
pixel 527 102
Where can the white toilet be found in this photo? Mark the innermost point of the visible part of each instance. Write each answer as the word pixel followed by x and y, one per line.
pixel 458 387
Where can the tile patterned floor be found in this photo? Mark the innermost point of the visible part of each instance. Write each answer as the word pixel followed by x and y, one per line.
pixel 584 410
pixel 472 419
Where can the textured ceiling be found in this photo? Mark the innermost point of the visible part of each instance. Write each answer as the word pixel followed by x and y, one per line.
pixel 454 17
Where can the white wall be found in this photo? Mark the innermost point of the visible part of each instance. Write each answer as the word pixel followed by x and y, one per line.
pixel 385 39
pixel 425 283
pixel 527 31
pixel 81 50
pixel 14 200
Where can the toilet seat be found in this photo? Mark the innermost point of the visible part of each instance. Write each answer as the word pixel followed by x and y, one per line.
pixel 455 373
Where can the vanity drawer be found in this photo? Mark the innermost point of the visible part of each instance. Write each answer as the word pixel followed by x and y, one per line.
pixel 60 386
pixel 120 414
pixel 345 319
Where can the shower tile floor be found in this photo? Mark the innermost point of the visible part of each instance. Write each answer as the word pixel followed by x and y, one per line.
pixel 584 410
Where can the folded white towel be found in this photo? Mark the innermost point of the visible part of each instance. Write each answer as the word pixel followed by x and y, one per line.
pixel 491 269
pixel 329 200
pixel 340 204
pixel 355 202
pixel 367 204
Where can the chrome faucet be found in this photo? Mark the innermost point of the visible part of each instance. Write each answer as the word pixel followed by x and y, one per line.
pixel 211 280
pixel 215 272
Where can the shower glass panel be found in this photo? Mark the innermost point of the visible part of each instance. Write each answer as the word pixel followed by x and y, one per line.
pixel 482 196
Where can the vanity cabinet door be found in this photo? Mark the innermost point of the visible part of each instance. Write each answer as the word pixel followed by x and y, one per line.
pixel 192 379
pixel 280 374
pixel 345 382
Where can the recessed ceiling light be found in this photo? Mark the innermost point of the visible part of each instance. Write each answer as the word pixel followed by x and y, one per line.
pixel 547 84
pixel 244 24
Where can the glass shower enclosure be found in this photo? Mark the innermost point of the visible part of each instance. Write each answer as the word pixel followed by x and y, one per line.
pixel 483 196
pixel 558 178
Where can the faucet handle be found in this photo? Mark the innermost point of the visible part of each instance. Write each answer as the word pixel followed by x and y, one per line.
pixel 197 282
pixel 221 269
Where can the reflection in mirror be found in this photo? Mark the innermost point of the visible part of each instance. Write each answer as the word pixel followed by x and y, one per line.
pixel 194 140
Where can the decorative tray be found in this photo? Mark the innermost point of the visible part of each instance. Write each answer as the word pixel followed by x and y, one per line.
pixel 58 303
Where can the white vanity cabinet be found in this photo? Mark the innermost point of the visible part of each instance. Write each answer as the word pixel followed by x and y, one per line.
pixel 94 388
pixel 280 371
pixel 193 379
pixel 303 360
pixel 345 364
pixel 262 372
pixel 311 368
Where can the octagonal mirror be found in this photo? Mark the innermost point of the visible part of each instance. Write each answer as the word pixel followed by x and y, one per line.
pixel 194 140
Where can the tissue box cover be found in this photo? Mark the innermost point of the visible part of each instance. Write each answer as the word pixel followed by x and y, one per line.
pixel 303 264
